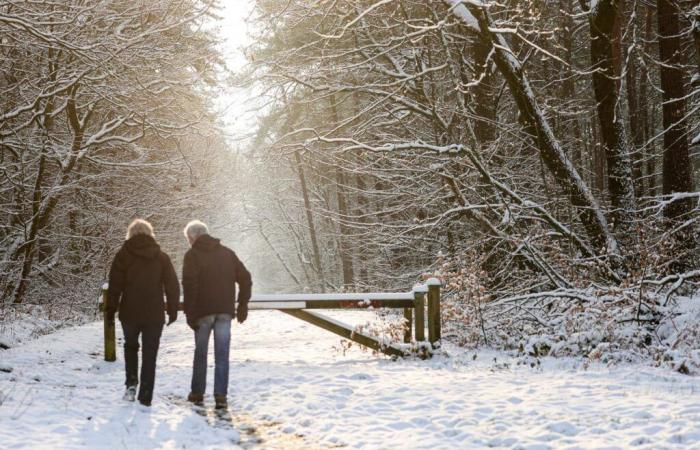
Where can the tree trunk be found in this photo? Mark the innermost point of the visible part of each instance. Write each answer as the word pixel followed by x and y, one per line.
pixel 602 22
pixel 340 187
pixel 696 37
pixel 345 248
pixel 538 127
pixel 484 105
pixel 361 210
pixel 633 82
pixel 677 173
pixel 568 86
pixel 644 116
pixel 310 221
pixel 27 250
pixel 40 212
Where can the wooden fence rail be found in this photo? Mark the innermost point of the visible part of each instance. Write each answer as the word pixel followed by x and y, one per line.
pixel 300 305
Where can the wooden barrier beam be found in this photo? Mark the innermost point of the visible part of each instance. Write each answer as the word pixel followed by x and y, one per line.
pixel 353 304
pixel 343 330
pixel 355 297
pixel 321 304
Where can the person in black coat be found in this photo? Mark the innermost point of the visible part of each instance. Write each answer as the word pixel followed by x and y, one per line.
pixel 210 272
pixel 140 274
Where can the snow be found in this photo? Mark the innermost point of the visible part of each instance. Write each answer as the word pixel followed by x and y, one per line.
pixel 332 297
pixel 433 282
pixel 695 79
pixel 458 9
pixel 21 323
pixel 420 288
pixel 292 387
pixel 269 304
pixel 696 140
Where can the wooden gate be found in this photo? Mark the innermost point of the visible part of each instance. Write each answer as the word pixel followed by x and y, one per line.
pixel 303 306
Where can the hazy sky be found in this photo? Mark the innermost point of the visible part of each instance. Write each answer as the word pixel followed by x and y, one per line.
pixel 233 31
pixel 233 27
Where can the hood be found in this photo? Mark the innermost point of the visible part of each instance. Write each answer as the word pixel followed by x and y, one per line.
pixel 206 243
pixel 143 245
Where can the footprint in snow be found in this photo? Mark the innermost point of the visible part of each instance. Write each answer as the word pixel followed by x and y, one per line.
pixel 563 427
pixel 360 376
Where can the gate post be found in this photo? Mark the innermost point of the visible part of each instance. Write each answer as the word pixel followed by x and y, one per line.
pixel 434 311
pixel 109 331
pixel 407 333
pixel 419 306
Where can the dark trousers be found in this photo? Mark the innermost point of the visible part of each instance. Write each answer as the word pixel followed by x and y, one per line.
pixel 150 337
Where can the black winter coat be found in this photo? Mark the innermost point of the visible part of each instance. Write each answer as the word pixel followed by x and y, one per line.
pixel 140 273
pixel 210 272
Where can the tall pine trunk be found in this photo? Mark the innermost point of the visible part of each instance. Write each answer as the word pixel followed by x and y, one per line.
pixel 644 105
pixel 344 246
pixel 310 221
pixel 633 83
pixel 677 173
pixel 602 20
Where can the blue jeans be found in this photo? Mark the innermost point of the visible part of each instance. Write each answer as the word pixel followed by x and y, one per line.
pixel 221 324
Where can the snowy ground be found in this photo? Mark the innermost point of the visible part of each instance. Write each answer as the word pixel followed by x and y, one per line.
pixel 290 388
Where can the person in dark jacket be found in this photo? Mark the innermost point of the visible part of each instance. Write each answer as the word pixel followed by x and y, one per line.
pixel 210 272
pixel 141 272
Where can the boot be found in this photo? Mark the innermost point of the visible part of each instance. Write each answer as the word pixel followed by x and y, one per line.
pixel 197 399
pixel 221 402
pixel 145 397
pixel 129 394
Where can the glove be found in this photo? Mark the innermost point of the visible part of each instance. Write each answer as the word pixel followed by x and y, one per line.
pixel 192 323
pixel 171 318
pixel 242 313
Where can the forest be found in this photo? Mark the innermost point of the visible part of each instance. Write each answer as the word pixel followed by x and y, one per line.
pixel 101 121
pixel 539 157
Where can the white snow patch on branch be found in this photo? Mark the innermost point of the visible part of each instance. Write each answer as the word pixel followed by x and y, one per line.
pixel 457 7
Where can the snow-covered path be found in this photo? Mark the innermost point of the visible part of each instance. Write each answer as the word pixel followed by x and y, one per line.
pixel 291 389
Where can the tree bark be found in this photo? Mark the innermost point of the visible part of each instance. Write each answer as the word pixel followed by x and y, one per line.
pixel 644 116
pixel 361 209
pixel 27 249
pixel 345 248
pixel 633 82
pixel 310 221
pixel 677 173
pixel 340 187
pixel 538 127
pixel 484 106
pixel 602 22
pixel 696 36
pixel 568 86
